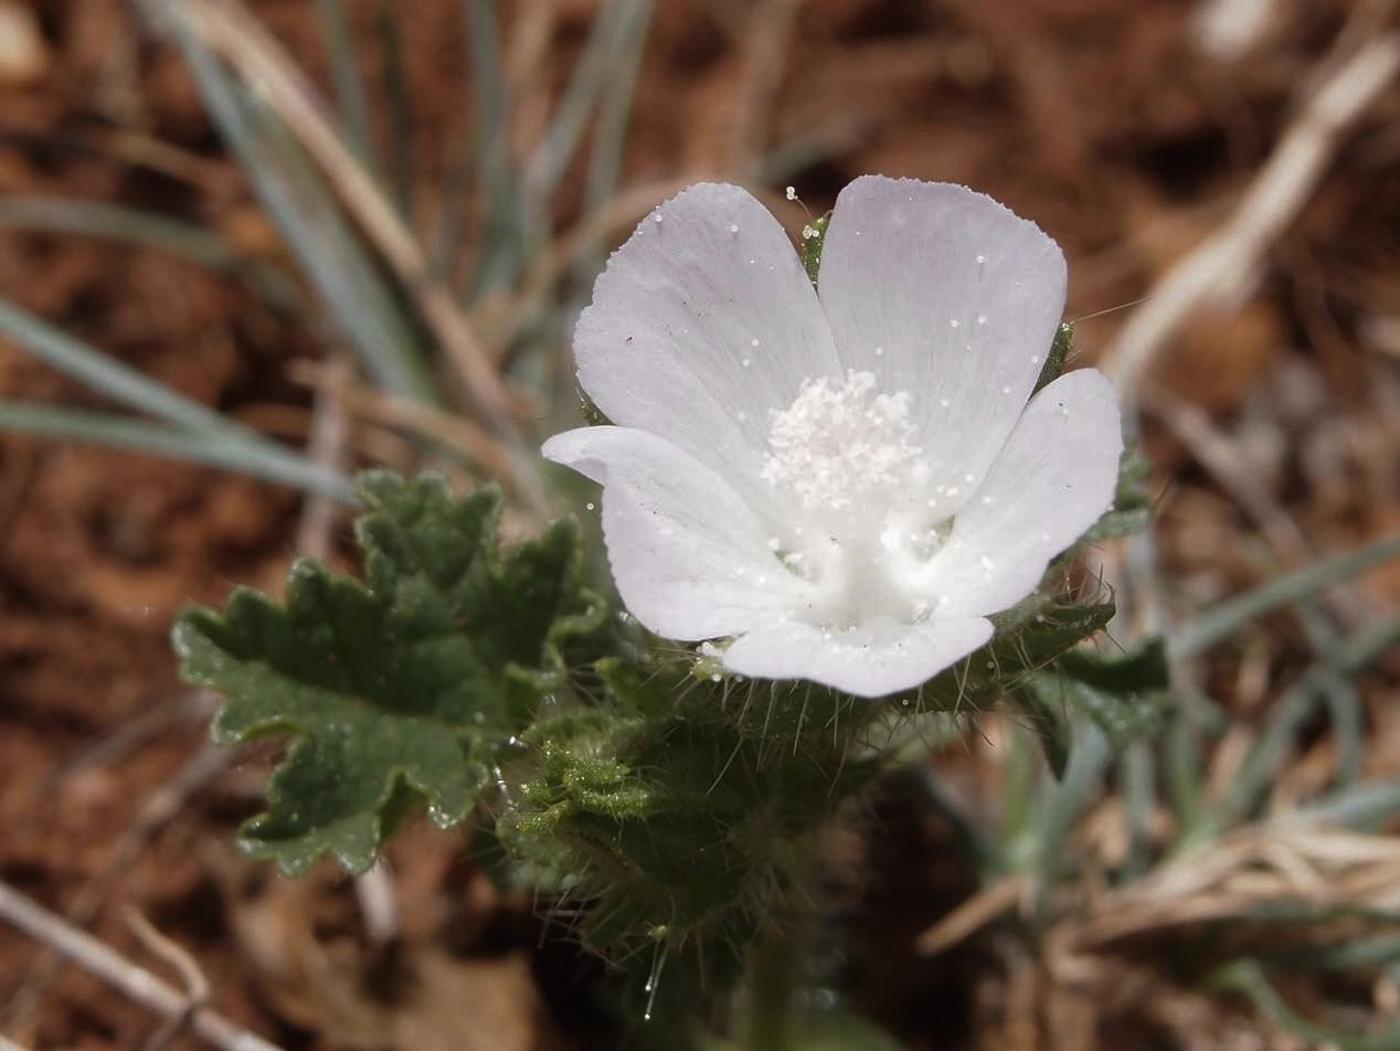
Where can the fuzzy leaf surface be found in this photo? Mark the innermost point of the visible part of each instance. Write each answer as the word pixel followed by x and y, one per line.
pixel 682 816
pixel 397 690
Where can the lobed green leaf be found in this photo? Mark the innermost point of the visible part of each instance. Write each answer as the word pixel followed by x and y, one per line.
pixel 398 690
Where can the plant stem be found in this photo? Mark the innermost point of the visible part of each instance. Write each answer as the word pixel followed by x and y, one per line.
pixel 772 982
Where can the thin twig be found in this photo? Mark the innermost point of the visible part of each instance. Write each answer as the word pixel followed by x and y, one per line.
pixel 1192 427
pixel 529 85
pixel 194 706
pixel 973 914
pixel 196 985
pixel 374 892
pixel 160 807
pixel 101 961
pixel 389 410
pixel 330 434
pixel 1215 270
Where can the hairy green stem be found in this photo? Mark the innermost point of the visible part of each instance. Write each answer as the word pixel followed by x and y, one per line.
pixel 774 964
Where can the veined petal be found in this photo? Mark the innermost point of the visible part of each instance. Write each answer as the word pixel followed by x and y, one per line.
pixel 1052 481
pixel 701 324
pixel 691 559
pixel 944 293
pixel 870 661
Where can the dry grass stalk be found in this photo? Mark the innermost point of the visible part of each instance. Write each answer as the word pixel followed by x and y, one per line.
pixel 975 913
pixel 231 31
pixel 1279 862
pixel 196 985
pixel 330 435
pixel 103 962
pixel 1213 272
pixel 390 410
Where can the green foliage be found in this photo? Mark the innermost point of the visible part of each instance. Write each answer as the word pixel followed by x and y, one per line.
pixel 1124 695
pixel 1138 672
pixel 685 801
pixel 680 805
pixel 402 689
pixel 674 811
pixel 1028 639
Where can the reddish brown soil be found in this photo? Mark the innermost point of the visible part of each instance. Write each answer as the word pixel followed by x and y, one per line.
pixel 1097 117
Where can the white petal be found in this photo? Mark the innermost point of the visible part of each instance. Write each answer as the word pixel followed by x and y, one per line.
pixel 702 323
pixel 943 293
pixel 1053 480
pixel 691 560
pixel 871 661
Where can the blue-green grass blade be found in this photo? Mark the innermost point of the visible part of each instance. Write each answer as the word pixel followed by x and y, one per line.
pixel 350 97
pixel 131 226
pixel 253 456
pixel 106 375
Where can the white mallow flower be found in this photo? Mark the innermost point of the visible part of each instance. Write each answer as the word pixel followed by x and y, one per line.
pixel 844 480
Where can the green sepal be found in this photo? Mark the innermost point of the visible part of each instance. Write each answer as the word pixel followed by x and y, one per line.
pixel 588 409
pixel 1124 694
pixel 401 690
pixel 1140 671
pixel 813 240
pixel 1028 638
pixel 1046 716
pixel 1055 360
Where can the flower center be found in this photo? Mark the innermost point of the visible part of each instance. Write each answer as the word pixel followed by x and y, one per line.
pixel 846 461
pixel 842 444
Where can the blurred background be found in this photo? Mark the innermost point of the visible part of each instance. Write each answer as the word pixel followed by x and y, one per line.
pixel 248 246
